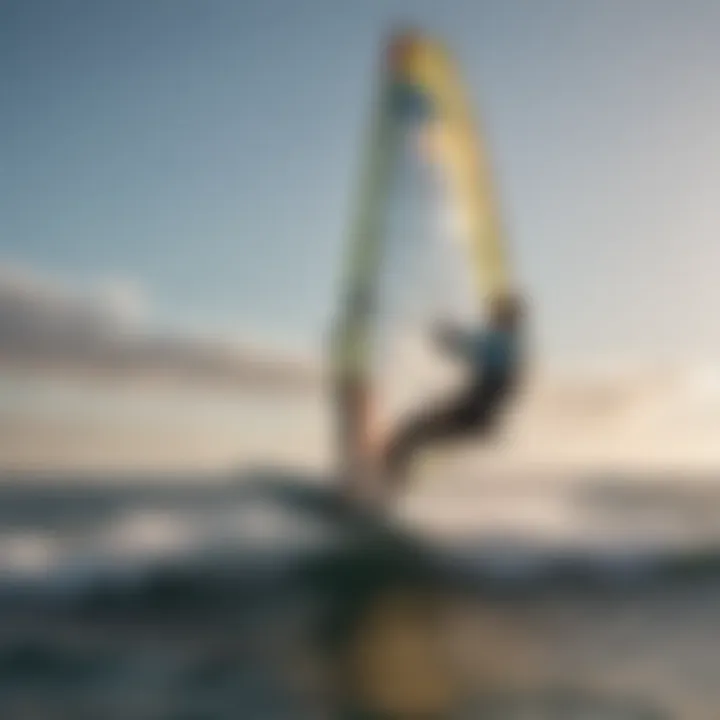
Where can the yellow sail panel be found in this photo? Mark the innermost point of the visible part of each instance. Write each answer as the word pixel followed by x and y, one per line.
pixel 425 64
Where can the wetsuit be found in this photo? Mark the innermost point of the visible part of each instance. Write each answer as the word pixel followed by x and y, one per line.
pixel 493 357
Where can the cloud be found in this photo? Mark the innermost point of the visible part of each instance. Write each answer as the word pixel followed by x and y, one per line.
pixel 124 300
pixel 48 326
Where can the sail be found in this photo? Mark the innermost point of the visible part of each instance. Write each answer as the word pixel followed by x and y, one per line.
pixel 353 332
pixel 426 243
pixel 426 66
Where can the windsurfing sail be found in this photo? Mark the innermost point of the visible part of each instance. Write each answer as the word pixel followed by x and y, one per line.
pixel 427 241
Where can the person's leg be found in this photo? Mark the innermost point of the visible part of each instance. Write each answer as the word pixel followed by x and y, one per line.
pixel 436 424
pixel 473 412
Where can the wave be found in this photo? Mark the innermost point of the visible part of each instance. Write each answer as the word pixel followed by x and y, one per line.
pixel 243 542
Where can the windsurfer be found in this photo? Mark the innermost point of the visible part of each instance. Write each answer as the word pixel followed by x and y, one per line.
pixel 493 356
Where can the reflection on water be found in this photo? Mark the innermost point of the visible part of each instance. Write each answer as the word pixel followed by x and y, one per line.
pixel 258 597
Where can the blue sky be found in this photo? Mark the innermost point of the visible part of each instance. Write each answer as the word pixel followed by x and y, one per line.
pixel 208 151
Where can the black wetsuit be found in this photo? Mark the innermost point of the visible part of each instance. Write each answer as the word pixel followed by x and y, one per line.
pixel 494 374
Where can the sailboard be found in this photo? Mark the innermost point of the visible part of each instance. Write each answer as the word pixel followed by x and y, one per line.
pixel 426 243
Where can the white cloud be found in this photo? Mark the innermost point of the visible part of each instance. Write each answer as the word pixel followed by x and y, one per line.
pixel 125 299
pixel 103 328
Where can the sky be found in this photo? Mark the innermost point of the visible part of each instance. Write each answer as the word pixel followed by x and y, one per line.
pixel 203 156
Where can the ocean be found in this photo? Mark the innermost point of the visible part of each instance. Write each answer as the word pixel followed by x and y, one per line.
pixel 242 594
